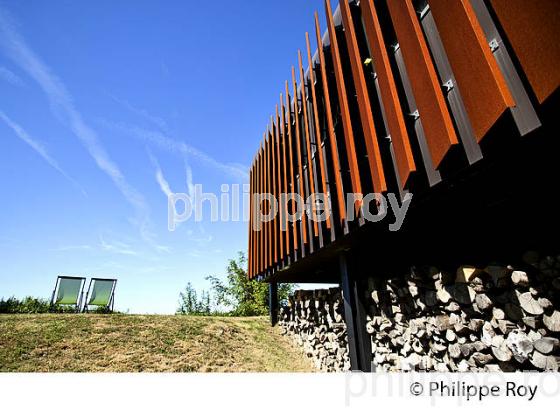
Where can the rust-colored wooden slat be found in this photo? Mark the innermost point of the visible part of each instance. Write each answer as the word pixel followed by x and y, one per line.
pixel 279 184
pixel 388 91
pixel 261 230
pixel 269 191
pixel 285 186
pixel 253 232
pixel 250 251
pixel 486 96
pixel 364 104
pixel 299 156
pixel 344 110
pixel 252 199
pixel 330 125
pixel 272 173
pixel 291 161
pixel 533 30
pixel 262 248
pixel 250 233
pixel 266 242
pixel 307 137
pixel 322 164
pixel 432 108
pixel 256 233
pixel 251 220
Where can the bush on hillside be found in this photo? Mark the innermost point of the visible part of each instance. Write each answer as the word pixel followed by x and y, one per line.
pixel 242 296
pixel 30 304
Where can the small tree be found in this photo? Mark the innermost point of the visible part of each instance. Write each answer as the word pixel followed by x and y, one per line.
pixel 190 304
pixel 243 296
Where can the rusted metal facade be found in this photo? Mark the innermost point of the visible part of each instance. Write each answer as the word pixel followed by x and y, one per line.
pixel 400 96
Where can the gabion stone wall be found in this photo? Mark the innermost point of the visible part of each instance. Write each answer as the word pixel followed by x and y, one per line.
pixel 493 318
pixel 314 319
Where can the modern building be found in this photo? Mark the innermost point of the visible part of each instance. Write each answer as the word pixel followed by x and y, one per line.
pixel 447 110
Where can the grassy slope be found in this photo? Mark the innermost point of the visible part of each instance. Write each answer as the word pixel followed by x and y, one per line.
pixel 133 343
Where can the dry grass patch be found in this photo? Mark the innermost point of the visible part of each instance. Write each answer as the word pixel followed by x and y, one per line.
pixel 148 343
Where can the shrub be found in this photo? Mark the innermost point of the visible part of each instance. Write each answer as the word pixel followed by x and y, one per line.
pixel 31 304
pixel 244 297
pixel 190 304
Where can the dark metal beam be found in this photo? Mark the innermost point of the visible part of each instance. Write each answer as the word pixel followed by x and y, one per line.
pixel 359 342
pixel 273 302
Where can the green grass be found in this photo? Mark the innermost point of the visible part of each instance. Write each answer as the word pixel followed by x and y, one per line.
pixel 144 343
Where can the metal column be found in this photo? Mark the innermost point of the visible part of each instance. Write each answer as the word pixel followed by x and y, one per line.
pixel 273 302
pixel 359 342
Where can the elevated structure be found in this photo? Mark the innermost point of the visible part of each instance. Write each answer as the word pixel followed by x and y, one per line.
pixel 451 101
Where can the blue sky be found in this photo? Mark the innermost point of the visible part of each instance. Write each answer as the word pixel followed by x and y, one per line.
pixel 102 103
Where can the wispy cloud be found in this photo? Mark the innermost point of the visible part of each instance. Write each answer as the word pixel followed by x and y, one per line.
pixel 163 141
pixel 189 177
pixel 117 247
pixel 38 148
pixel 10 77
pixel 66 248
pixel 200 237
pixel 63 106
pixel 157 121
pixel 162 182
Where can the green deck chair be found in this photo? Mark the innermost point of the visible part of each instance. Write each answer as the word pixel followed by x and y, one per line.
pixel 102 294
pixel 68 291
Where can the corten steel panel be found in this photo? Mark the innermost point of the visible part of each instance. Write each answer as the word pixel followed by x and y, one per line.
pixel 436 119
pixel 284 173
pixel 319 151
pixel 251 230
pixel 285 186
pixel 364 104
pixel 268 236
pixel 254 245
pixel 249 247
pixel 307 137
pixel 330 125
pixel 264 251
pixel 261 231
pixel 291 160
pixel 344 111
pixel 251 236
pixel 486 95
pixel 264 232
pixel 278 188
pixel 263 188
pixel 256 233
pixel 272 171
pixel 533 29
pixel 299 156
pixel 388 91
pixel 269 189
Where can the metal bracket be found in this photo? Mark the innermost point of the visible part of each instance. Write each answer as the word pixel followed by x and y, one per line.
pixel 396 47
pixel 415 115
pixel 424 11
pixel 494 45
pixel 388 138
pixel 448 85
